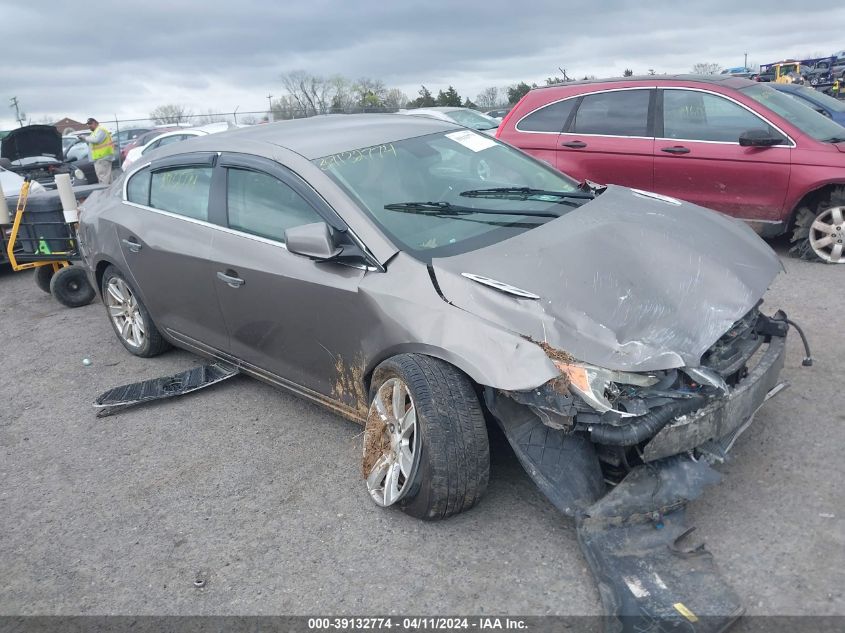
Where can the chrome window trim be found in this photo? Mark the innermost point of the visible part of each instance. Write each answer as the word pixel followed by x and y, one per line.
pixel 732 100
pixel 250 236
pixel 581 94
pixel 791 144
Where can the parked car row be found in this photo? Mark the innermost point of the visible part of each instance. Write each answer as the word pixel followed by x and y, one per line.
pixel 726 143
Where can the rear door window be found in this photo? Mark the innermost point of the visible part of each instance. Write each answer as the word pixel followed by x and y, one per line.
pixel 550 118
pixel 616 113
pixel 701 116
pixel 182 190
pixel 263 205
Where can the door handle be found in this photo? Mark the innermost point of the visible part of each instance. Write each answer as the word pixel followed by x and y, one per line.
pixel 132 246
pixel 233 280
pixel 574 144
pixel 677 149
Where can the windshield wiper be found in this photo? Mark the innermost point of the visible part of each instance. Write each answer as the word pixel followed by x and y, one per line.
pixel 446 209
pixel 834 139
pixel 526 193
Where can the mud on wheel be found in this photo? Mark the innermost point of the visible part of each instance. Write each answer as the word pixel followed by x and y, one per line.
pixel 819 233
pixel 425 442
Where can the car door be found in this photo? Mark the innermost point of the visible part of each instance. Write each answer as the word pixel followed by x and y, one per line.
pixel 166 237
pixel 698 158
pixel 609 139
pixel 288 316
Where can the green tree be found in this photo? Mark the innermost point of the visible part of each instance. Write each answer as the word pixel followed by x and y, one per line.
pixel 449 98
pixel 425 100
pixel 469 104
pixel 516 92
pixel 628 73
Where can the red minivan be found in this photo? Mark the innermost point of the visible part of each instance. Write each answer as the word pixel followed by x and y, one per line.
pixel 727 143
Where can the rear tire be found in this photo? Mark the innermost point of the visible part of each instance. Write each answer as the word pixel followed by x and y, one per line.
pixel 451 450
pixel 819 234
pixel 129 317
pixel 70 287
pixel 43 275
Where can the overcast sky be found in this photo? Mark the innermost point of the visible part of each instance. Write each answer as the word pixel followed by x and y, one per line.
pixel 90 58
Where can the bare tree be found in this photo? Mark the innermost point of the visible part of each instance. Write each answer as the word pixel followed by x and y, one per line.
pixel 311 93
pixel 343 99
pixel 209 117
pixel 395 99
pixel 369 92
pixel 488 98
pixel 170 113
pixel 706 68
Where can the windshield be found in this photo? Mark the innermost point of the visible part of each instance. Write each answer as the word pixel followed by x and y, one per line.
pixel 805 119
pixel 422 180
pixel 829 103
pixel 473 119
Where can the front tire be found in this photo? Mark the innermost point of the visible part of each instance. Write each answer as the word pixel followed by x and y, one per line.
pixel 819 234
pixel 129 316
pixel 425 443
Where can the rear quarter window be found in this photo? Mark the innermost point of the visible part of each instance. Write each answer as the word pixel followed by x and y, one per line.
pixel 138 188
pixel 549 118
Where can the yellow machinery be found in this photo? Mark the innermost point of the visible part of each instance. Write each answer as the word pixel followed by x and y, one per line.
pixel 41 239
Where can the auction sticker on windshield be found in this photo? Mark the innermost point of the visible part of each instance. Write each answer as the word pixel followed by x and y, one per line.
pixel 471 140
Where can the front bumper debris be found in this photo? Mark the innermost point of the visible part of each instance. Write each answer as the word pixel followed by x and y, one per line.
pixel 724 418
pixel 633 540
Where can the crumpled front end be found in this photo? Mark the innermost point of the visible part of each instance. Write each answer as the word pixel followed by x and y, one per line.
pixel 623 452
pixel 633 418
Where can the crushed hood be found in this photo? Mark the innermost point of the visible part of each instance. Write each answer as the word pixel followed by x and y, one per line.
pixel 627 281
pixel 32 140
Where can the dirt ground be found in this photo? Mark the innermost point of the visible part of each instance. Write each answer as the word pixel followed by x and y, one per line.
pixel 259 493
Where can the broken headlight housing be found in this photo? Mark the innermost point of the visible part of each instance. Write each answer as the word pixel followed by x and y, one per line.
pixel 598 386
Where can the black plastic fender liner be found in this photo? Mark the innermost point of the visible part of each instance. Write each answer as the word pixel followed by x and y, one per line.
pixel 119 398
pixel 563 465
pixel 633 540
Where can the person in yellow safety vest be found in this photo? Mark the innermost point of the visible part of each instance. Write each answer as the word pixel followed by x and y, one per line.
pixel 102 150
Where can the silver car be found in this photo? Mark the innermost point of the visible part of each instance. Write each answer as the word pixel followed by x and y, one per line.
pixel 369 264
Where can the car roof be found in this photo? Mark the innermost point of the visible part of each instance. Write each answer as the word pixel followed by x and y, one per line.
pixel 723 80
pixel 323 135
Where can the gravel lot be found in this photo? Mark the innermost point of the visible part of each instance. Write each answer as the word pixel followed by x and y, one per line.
pixel 259 492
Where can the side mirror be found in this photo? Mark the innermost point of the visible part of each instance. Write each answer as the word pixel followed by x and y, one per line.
pixel 312 240
pixel 759 138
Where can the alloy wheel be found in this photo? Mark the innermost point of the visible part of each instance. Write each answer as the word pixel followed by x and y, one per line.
pixel 124 312
pixel 827 235
pixel 391 443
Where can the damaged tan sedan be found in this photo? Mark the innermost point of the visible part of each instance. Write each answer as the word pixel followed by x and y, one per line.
pixel 423 279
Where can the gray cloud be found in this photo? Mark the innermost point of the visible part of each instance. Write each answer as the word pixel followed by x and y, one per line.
pixel 102 58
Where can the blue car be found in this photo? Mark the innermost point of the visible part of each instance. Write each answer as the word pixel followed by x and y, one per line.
pixel 819 101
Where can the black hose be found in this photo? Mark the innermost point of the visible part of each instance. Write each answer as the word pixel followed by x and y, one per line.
pixel 643 427
pixel 808 358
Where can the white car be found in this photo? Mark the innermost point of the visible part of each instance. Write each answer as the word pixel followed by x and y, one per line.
pixel 11 184
pixel 175 136
pixel 462 116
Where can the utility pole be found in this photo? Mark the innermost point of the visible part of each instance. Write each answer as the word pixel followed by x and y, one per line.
pixel 19 116
pixel 270 111
pixel 745 65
